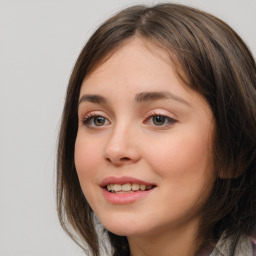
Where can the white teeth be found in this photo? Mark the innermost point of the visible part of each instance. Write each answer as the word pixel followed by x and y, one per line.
pixel 135 186
pixel 143 187
pixel 128 187
pixel 117 187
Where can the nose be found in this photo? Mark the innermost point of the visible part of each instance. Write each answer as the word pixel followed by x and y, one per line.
pixel 122 146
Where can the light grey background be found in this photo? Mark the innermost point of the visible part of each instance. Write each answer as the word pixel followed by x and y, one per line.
pixel 39 43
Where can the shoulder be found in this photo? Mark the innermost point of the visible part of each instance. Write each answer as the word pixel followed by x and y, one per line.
pixel 245 246
pixel 253 242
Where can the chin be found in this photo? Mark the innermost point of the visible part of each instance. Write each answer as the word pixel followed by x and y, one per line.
pixel 125 232
pixel 123 226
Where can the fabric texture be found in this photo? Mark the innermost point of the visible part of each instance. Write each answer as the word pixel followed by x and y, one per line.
pixel 246 246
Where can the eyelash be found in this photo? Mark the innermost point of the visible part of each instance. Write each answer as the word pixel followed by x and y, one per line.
pixel 89 118
pixel 168 121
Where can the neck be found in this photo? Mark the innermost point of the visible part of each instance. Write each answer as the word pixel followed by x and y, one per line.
pixel 169 242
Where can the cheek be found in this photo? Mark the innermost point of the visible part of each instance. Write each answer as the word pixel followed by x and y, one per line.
pixel 84 156
pixel 86 160
pixel 183 155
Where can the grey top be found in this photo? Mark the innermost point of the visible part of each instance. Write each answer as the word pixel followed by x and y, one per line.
pixel 245 247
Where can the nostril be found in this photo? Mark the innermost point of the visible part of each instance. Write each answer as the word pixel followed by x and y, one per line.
pixel 108 159
pixel 118 160
pixel 125 159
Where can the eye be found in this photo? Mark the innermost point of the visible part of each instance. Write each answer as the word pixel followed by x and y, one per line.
pixel 160 120
pixel 95 121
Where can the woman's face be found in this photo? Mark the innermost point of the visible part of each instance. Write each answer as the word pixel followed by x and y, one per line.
pixel 144 144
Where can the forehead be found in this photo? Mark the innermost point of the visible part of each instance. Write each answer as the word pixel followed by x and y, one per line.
pixel 138 67
pixel 135 60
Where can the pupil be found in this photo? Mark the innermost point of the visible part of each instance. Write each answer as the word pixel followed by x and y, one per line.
pixel 99 120
pixel 158 120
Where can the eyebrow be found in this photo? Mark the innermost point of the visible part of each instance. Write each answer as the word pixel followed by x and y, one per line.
pixel 140 97
pixel 151 96
pixel 93 98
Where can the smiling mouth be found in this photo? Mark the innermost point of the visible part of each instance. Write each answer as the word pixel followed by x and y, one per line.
pixel 128 188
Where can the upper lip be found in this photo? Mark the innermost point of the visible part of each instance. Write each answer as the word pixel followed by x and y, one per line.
pixel 123 180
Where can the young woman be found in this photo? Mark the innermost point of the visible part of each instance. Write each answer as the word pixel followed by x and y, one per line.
pixel 158 137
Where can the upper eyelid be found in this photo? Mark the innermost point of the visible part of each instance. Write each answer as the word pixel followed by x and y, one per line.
pixel 166 116
pixel 161 112
pixel 88 118
pixel 89 110
pixel 93 113
pixel 83 118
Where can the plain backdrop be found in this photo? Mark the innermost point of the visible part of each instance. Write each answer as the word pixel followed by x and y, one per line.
pixel 39 44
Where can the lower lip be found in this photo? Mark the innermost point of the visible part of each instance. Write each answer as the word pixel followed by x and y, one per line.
pixel 125 198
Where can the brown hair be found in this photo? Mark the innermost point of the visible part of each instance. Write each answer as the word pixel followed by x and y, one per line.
pixel 213 61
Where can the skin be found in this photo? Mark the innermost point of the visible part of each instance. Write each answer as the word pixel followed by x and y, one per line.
pixel 175 155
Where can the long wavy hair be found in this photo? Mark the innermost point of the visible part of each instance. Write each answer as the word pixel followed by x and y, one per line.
pixel 211 59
